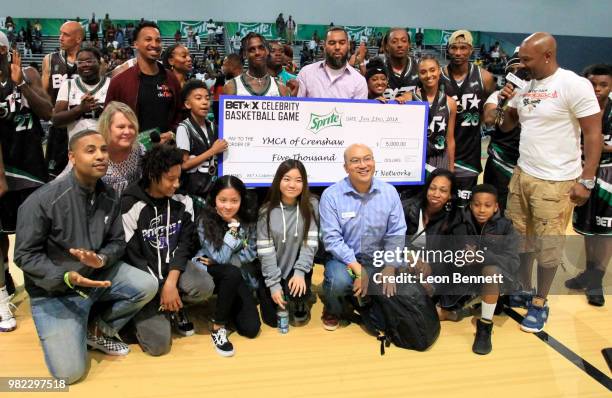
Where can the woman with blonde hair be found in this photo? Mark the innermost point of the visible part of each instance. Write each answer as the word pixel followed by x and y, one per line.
pixel 118 125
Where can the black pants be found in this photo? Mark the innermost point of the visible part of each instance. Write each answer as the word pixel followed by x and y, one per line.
pixel 269 307
pixel 234 300
pixel 57 151
pixel 500 180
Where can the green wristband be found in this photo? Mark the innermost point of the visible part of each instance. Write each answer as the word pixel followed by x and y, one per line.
pixel 67 279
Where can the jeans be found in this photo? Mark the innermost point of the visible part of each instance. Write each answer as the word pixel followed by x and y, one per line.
pixel 337 286
pixel 61 322
pixel 153 327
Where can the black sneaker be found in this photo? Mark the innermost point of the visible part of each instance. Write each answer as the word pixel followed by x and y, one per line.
pixel 578 282
pixel 300 314
pixel 221 343
pixel 108 345
pixel 10 284
pixel 182 325
pixel 595 296
pixel 594 289
pixel 482 341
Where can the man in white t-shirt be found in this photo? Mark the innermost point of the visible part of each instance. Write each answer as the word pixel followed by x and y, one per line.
pixel 211 28
pixel 80 100
pixel 553 109
pixel 236 43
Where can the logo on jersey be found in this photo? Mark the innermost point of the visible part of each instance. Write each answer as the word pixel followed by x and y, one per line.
pixel 441 123
pixel 603 221
pixel 57 79
pixel 468 101
pixel 391 93
pixel 158 235
pixel 321 122
pixel 466 195
pixel 11 106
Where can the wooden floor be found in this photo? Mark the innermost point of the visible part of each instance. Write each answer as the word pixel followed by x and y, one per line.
pixel 310 361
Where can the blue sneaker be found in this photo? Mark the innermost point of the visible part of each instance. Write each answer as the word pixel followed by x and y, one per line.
pixel 521 299
pixel 535 319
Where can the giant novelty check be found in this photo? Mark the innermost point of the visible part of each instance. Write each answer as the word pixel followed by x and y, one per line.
pixel 262 132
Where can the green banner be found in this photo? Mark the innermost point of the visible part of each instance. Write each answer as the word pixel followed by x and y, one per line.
pixel 305 32
pixel 267 30
pixel 432 37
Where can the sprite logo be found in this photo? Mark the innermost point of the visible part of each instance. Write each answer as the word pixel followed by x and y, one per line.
pixel 198 28
pixel 320 122
pixel 264 29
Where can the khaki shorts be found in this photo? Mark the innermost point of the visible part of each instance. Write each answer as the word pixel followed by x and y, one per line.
pixel 540 211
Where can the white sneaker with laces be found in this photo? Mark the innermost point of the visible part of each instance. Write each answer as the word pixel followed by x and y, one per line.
pixel 7 319
pixel 221 343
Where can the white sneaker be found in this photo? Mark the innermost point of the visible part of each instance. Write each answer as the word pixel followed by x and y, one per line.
pixel 7 320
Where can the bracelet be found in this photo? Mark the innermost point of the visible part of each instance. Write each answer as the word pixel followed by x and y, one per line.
pixel 23 82
pixel 353 274
pixel 67 279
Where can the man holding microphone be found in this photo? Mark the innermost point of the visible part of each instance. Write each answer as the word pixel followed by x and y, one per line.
pixel 549 180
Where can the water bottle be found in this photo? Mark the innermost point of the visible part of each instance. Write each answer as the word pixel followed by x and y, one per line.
pixel 282 319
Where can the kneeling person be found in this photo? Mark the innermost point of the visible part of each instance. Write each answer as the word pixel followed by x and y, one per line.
pixel 494 243
pixel 69 243
pixel 161 238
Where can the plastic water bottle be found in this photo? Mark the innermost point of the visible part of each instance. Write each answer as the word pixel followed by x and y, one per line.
pixel 282 319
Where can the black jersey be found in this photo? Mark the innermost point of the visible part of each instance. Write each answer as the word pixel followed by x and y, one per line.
pixel 606 130
pixel 438 117
pixel 21 138
pixel 470 97
pixel 60 70
pixel 403 82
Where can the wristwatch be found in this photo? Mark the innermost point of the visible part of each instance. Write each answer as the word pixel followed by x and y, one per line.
pixel 588 184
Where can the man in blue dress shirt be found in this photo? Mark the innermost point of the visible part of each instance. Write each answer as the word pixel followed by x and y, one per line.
pixel 359 215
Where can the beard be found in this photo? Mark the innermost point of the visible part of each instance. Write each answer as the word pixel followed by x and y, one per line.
pixel 336 63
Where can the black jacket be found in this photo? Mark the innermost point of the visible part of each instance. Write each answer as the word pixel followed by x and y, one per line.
pixel 497 239
pixel 60 216
pixel 146 225
pixel 440 224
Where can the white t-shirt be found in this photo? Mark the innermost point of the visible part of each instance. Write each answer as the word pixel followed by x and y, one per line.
pixel 548 111
pixel 237 42
pixel 77 90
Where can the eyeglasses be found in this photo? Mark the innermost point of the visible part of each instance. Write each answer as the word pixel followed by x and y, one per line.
pixel 365 160
pixel 87 62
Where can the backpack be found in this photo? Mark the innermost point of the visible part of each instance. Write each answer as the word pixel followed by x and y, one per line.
pixel 408 319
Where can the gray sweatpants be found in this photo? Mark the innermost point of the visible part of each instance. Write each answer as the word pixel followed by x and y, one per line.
pixel 153 327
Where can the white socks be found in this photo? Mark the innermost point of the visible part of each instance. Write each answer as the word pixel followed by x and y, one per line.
pixel 487 311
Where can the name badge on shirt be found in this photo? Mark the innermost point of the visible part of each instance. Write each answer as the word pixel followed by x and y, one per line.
pixel 348 214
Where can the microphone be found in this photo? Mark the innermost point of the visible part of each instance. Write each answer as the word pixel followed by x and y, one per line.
pixel 517 81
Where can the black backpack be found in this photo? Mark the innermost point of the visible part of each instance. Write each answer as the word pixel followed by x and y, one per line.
pixel 408 319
